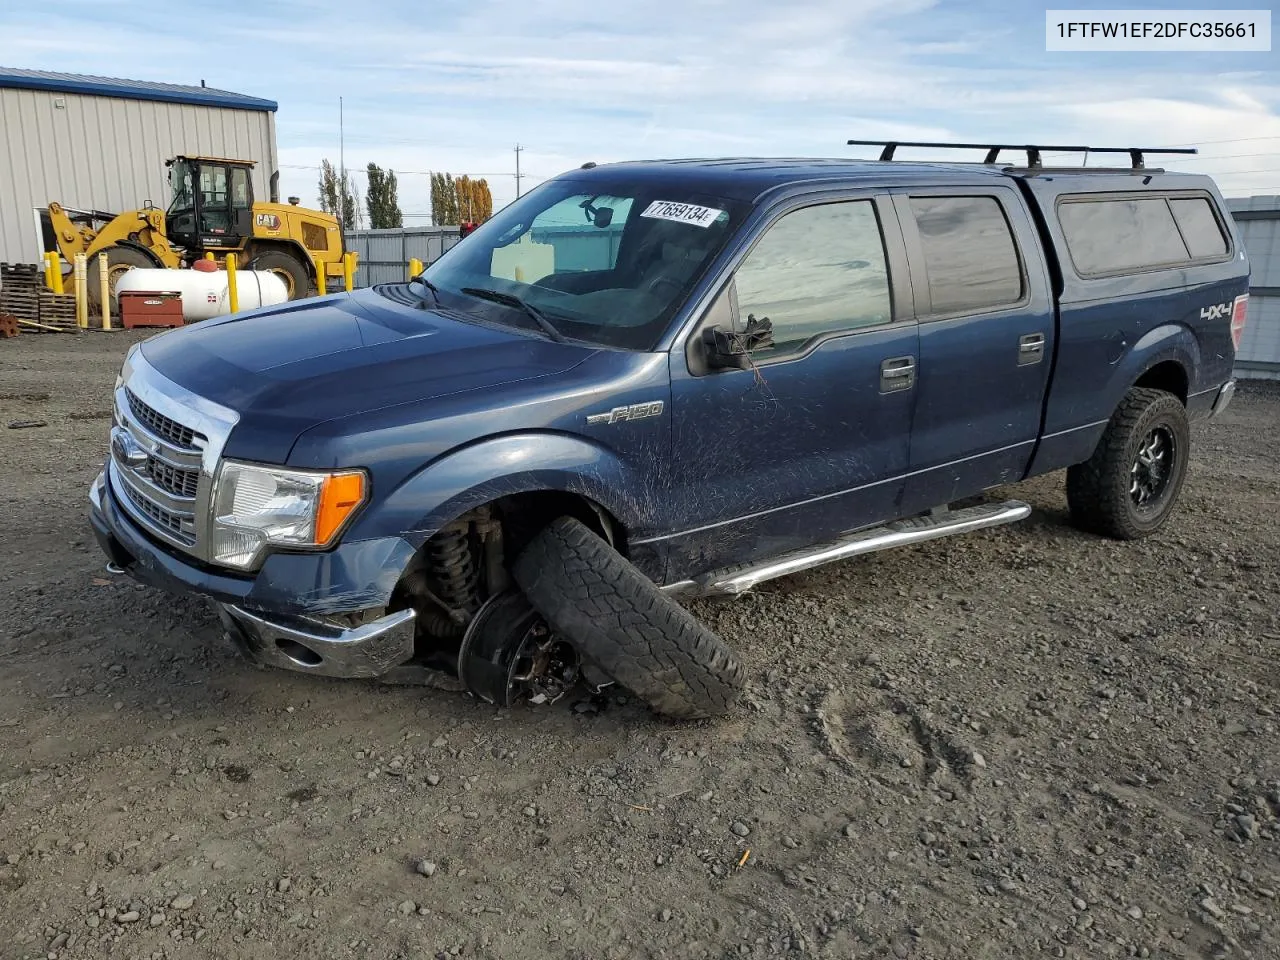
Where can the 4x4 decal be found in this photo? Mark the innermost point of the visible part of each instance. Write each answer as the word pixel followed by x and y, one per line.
pixel 1215 311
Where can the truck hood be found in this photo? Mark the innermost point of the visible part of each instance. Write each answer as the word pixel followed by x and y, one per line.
pixel 289 368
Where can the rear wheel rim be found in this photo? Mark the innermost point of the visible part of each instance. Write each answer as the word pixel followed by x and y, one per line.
pixel 287 277
pixel 1151 475
pixel 114 272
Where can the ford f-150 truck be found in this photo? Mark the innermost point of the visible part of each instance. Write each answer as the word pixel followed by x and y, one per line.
pixel 654 378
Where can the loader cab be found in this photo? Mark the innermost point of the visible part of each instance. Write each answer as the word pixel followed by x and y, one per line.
pixel 212 205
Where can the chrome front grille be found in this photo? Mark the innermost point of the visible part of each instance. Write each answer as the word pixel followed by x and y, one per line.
pixel 181 527
pixel 181 483
pixel 165 447
pixel 161 426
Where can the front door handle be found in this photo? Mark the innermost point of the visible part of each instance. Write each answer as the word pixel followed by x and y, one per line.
pixel 897 373
pixel 1030 349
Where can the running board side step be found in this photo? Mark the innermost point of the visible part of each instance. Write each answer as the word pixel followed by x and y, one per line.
pixel 900 533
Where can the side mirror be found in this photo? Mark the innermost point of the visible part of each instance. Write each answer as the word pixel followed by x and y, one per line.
pixel 603 217
pixel 728 350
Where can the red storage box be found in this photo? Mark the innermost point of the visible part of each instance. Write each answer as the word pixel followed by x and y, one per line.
pixel 145 309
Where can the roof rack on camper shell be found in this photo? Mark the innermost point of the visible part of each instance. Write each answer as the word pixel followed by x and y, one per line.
pixel 1033 151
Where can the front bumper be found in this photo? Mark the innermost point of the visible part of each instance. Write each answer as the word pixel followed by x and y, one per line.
pixel 369 650
pixel 279 616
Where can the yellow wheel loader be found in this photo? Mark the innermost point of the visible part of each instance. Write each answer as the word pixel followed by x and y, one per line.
pixel 212 210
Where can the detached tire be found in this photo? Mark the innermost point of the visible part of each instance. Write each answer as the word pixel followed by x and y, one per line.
pixel 625 625
pixel 1128 488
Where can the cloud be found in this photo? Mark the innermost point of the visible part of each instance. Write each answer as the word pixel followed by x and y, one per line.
pixel 456 86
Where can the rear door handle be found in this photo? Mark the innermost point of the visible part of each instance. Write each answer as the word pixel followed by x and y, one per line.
pixel 897 373
pixel 1030 349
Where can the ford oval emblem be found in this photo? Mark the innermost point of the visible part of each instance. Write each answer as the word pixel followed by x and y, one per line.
pixel 126 449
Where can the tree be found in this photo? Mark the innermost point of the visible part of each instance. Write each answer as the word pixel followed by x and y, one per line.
pixel 384 206
pixel 453 201
pixel 339 196
pixel 475 201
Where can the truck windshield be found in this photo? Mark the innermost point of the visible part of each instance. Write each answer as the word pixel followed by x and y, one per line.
pixel 603 264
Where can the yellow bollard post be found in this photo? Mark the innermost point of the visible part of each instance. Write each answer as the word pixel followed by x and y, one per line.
pixel 55 264
pixel 233 295
pixel 415 267
pixel 104 290
pixel 349 270
pixel 209 255
pixel 48 271
pixel 82 293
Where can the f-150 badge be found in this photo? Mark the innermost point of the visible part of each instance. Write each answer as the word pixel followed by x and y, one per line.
pixel 636 411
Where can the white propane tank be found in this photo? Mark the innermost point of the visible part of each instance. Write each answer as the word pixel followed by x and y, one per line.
pixel 204 292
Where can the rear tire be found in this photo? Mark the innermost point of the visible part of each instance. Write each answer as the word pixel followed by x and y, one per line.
pixel 620 621
pixel 1129 487
pixel 290 269
pixel 120 260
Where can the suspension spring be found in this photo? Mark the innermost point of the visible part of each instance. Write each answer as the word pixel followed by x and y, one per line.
pixel 453 567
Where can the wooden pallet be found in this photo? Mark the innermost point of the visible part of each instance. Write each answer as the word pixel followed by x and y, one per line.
pixel 24 296
pixel 58 310
pixel 20 285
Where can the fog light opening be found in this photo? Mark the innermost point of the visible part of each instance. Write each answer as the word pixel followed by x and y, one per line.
pixel 303 656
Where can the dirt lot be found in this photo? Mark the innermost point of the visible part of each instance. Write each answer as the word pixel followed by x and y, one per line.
pixel 1024 742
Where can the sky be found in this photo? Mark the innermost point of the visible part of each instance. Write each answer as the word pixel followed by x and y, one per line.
pixel 455 86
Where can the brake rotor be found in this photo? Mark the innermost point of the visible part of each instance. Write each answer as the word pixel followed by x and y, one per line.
pixel 510 654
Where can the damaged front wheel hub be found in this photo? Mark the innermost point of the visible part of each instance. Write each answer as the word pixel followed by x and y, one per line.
pixel 510 654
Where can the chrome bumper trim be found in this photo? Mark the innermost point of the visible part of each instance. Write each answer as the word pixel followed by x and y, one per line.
pixel 311 646
pixel 1223 400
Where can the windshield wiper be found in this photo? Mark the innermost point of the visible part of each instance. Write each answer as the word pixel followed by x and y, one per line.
pixel 420 278
pixel 511 300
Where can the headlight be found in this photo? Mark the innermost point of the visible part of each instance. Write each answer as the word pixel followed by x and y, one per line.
pixel 256 506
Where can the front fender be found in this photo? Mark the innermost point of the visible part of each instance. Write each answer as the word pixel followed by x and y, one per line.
pixel 525 462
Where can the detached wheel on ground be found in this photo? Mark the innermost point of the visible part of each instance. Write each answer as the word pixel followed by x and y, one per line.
pixel 1128 488
pixel 294 273
pixel 120 260
pixel 621 622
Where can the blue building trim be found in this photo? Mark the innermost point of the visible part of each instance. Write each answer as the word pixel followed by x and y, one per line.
pixel 130 89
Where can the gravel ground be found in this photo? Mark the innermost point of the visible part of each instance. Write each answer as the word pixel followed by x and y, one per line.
pixel 1023 742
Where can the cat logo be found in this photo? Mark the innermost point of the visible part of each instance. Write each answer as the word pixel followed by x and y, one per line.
pixel 268 221
pixel 636 411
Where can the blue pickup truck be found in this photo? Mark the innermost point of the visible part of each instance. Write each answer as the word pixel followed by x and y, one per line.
pixel 642 380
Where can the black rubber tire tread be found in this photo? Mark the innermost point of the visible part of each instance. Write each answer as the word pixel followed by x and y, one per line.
pixel 1098 489
pixel 625 625
pixel 116 255
pixel 281 261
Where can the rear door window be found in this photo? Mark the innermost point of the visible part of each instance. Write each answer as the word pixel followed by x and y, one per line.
pixel 969 252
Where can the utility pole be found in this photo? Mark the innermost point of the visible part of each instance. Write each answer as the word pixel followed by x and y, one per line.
pixel 342 170
pixel 518 149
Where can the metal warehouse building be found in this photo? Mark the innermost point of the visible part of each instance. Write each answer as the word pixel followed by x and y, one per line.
pixel 96 143
pixel 1258 221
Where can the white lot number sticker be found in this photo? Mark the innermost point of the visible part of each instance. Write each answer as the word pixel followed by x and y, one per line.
pixel 682 213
